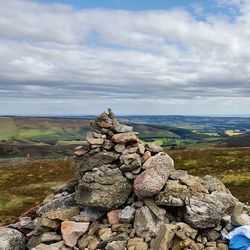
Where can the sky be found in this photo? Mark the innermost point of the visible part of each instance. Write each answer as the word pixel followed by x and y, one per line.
pixel 148 57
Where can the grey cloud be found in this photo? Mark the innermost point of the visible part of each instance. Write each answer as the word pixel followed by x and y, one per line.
pixel 55 52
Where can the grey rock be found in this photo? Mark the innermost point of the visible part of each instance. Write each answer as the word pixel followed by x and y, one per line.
pixel 240 220
pixel 184 231
pixel 153 147
pixel 61 202
pixel 157 211
pixel 104 189
pixel 175 175
pixel 24 225
pixel 145 224
pixel 194 183
pixel 200 214
pixel 130 175
pixel 49 237
pixel 92 214
pixel 146 156
pixel 119 148
pixel 164 238
pixel 93 140
pixel 141 148
pixel 174 194
pixel 11 239
pixel 116 245
pixel 224 202
pixel 133 160
pixel 88 162
pixel 121 128
pixel 213 184
pixel 128 168
pixel 136 171
pixel 212 235
pixel 107 144
pixel 127 214
pixel 86 145
pixel 62 214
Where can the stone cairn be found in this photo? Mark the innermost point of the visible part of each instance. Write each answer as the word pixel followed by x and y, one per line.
pixel 127 195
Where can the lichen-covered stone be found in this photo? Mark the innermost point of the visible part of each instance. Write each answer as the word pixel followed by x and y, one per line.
pixel 11 239
pixel 104 189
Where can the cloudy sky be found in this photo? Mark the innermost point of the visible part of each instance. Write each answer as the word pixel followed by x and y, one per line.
pixel 137 56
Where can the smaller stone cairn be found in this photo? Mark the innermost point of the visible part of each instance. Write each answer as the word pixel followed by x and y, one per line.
pixel 127 195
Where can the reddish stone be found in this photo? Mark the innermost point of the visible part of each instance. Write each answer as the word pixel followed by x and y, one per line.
pixel 124 138
pixel 152 180
pixel 113 216
pixel 72 231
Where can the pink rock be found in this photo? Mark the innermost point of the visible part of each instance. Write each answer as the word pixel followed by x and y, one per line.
pixel 113 216
pixel 152 180
pixel 72 231
pixel 124 138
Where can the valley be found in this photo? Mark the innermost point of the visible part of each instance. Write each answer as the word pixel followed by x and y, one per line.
pixel 35 153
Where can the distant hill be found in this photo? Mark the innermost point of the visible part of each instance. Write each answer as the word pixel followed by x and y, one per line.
pixel 36 135
pixel 238 141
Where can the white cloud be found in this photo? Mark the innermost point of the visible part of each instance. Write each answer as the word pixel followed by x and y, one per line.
pixel 56 52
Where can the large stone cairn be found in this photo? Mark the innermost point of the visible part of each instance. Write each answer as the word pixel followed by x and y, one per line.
pixel 127 195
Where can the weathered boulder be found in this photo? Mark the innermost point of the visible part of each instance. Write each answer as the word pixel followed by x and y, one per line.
pixel 11 239
pixel 104 189
pixel 152 180
pixel 88 161
pixel 200 214
pixel 224 202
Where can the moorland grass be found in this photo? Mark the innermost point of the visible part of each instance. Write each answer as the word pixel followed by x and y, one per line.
pixel 25 185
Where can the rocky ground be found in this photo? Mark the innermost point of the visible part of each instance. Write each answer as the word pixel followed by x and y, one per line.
pixel 127 195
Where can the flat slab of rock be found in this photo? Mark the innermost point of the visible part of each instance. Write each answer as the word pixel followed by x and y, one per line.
pixel 72 231
pixel 63 214
pixel 152 180
pixel 104 189
pixel 11 239
pixel 145 223
pixel 153 147
pixel 123 138
pixel 88 162
pixel 58 203
pixel 164 237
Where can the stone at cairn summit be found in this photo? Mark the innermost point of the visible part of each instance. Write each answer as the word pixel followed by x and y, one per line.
pixel 127 196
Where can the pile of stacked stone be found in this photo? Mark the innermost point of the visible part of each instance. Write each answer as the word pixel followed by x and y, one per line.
pixel 127 195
